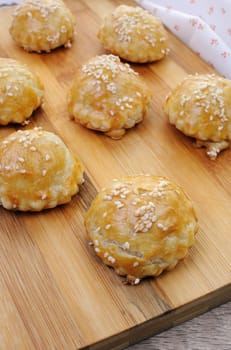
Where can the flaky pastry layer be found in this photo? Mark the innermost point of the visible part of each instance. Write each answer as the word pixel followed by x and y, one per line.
pixel 200 107
pixel 141 225
pixel 42 25
pixel 134 34
pixel 37 171
pixel 108 95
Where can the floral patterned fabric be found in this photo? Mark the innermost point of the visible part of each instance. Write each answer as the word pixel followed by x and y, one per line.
pixel 204 26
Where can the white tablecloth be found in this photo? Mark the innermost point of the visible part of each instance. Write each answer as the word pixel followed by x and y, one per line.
pixel 203 25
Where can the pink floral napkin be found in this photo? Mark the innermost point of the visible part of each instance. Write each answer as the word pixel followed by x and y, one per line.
pixel 203 25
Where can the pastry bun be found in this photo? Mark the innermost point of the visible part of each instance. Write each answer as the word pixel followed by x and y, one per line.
pixel 21 92
pixel 108 95
pixel 37 171
pixel 200 107
pixel 141 225
pixel 42 25
pixel 134 34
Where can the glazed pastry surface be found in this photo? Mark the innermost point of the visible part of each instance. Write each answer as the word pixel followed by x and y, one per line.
pixel 134 34
pixel 42 25
pixel 108 95
pixel 141 225
pixel 37 171
pixel 21 92
pixel 200 107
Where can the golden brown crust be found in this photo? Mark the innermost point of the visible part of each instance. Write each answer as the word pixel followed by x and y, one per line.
pixel 21 92
pixel 141 225
pixel 108 96
pixel 200 107
pixel 42 25
pixel 37 171
pixel 134 34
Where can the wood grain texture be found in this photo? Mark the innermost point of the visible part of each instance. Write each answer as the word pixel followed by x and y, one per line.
pixel 55 293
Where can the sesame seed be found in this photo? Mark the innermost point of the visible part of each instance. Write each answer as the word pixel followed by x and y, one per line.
pixel 44 196
pixel 47 157
pixel 135 264
pixel 111 259
pixel 106 254
pixel 107 227
pixel 97 250
pixel 137 281
pixel 161 226
pixel 21 159
pixel 44 171
pixel 107 197
pixel 126 245
pixel 118 204
pixel 33 149
pixel 96 242
pixel 22 171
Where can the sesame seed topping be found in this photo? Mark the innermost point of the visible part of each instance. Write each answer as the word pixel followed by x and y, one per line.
pixel 118 204
pixel 33 149
pixel 108 226
pixel 144 217
pixel 209 97
pixel 107 198
pixel 21 159
pixel 126 246
pixel 44 172
pixel 96 242
pixel 106 254
pixel 47 157
pixel 97 250
pixel 137 281
pixel 161 226
pixel 111 259
pixel 135 264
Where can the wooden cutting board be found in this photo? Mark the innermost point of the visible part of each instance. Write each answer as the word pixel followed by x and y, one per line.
pixel 55 293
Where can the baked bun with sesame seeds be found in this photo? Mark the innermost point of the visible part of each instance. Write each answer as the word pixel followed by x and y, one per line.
pixel 108 95
pixel 21 92
pixel 42 25
pixel 200 107
pixel 134 34
pixel 141 225
pixel 37 171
